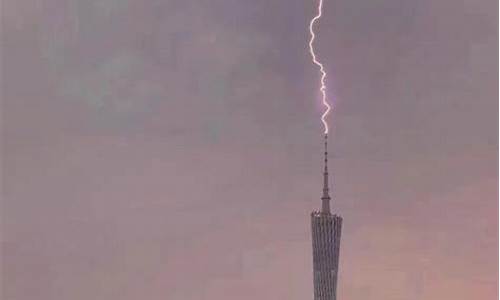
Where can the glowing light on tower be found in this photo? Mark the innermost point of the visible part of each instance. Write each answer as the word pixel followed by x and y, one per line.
pixel 320 65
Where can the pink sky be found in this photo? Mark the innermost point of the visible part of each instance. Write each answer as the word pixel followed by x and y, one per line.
pixel 172 149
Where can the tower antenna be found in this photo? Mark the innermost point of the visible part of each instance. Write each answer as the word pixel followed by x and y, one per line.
pixel 325 199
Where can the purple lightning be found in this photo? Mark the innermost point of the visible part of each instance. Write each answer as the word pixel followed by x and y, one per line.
pixel 320 65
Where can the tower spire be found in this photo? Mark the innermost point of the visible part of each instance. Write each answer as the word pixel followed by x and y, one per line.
pixel 325 199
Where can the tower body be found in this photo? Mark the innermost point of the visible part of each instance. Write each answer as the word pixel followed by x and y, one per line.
pixel 326 228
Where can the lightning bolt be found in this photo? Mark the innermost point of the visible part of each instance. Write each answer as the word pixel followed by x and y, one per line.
pixel 320 65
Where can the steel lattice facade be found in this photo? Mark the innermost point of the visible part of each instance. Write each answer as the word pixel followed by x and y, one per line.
pixel 326 230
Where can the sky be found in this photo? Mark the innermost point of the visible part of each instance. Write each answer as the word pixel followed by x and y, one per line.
pixel 172 149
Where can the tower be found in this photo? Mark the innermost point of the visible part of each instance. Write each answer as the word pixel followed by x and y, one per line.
pixel 326 228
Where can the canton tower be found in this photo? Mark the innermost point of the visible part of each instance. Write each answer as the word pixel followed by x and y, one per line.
pixel 326 228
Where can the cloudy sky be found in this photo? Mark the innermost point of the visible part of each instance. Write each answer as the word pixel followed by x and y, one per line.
pixel 172 149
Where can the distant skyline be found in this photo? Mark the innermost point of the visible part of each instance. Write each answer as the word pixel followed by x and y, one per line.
pixel 173 149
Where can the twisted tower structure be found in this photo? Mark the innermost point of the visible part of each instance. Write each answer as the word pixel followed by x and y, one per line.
pixel 326 228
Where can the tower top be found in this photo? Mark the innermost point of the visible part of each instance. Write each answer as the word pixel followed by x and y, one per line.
pixel 325 199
